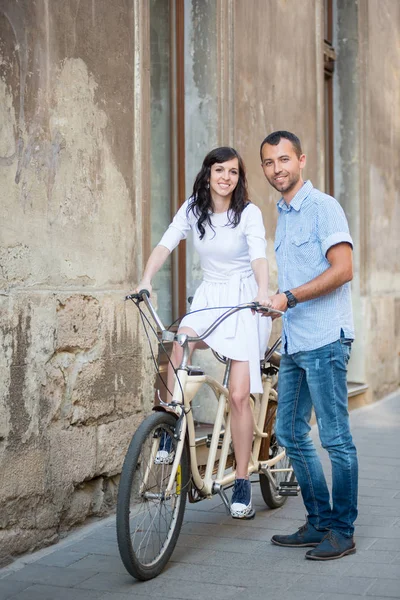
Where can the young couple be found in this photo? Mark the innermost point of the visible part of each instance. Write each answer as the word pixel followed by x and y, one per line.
pixel 314 255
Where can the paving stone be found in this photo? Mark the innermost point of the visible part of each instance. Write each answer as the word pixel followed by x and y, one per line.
pixel 381 502
pixel 281 524
pixel 233 560
pixel 9 588
pixel 206 517
pixel 257 594
pixel 62 558
pixel 371 511
pixel 396 559
pixel 48 592
pixel 386 589
pixel 347 597
pixel 103 564
pixel 378 521
pixel 374 556
pixel 379 571
pixel 106 534
pixel 385 544
pixel 61 577
pixel 328 583
pixel 167 588
pixel 92 546
pixel 220 575
pixel 379 532
pixel 365 543
pixel 376 491
pixel 241 545
pixel 128 596
pixel 194 555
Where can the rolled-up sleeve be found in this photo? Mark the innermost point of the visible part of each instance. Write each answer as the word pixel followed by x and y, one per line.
pixel 333 228
pixel 255 232
pixel 178 229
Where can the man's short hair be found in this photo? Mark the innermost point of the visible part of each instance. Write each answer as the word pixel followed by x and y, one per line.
pixel 274 138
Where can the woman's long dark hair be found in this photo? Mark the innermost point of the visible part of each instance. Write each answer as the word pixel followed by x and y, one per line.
pixel 201 201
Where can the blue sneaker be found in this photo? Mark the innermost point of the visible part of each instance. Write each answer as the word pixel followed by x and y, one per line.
pixel 334 545
pixel 166 453
pixel 306 536
pixel 241 506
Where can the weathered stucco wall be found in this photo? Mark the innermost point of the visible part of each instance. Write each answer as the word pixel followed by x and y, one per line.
pixel 72 385
pixel 276 72
pixel 275 87
pixel 381 33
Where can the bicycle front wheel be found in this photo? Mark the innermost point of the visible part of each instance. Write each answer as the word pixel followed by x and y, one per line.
pixel 149 521
pixel 269 449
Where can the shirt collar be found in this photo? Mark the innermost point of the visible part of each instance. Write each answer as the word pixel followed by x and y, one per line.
pixel 298 199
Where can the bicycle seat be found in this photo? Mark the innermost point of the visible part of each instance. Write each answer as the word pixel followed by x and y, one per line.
pixel 195 370
pixel 273 358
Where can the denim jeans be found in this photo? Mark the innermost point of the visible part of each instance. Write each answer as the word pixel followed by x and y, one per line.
pixel 317 378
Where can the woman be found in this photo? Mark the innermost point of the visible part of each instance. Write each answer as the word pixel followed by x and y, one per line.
pixel 229 236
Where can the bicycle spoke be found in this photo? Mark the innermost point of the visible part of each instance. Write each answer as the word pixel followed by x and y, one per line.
pixel 151 518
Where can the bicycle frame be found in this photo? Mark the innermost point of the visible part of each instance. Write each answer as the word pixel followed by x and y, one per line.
pixel 185 388
pixel 208 485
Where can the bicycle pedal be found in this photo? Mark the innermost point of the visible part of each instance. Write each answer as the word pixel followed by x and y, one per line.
pixel 221 439
pixel 288 488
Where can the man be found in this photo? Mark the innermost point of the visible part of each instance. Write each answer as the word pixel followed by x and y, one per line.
pixel 314 255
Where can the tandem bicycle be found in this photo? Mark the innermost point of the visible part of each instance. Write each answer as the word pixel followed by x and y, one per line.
pixel 152 496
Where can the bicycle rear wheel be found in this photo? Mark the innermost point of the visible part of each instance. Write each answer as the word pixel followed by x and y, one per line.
pixel 269 449
pixel 148 522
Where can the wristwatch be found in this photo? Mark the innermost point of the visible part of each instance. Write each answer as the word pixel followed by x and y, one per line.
pixel 291 300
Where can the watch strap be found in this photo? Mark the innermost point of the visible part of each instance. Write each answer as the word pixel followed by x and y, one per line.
pixel 291 299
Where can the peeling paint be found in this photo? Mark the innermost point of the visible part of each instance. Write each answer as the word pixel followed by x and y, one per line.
pixel 71 360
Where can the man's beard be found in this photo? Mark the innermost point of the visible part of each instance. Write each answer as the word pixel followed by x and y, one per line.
pixel 291 183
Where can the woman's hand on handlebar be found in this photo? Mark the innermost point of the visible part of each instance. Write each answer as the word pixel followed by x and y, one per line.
pixel 263 299
pixel 143 285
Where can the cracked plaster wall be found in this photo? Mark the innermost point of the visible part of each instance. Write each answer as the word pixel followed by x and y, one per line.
pixel 72 362
pixel 382 124
pixel 367 97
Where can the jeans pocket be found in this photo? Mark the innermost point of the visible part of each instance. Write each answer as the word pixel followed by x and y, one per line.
pixel 346 348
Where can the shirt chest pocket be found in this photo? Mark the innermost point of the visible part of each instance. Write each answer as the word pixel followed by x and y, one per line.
pixel 301 236
pixel 304 247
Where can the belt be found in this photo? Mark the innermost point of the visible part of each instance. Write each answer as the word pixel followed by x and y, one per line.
pixel 234 285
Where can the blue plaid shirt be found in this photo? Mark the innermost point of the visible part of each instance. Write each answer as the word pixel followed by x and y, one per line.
pixel 312 223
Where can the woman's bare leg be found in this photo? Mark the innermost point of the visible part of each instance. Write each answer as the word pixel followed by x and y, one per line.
pixel 241 416
pixel 176 358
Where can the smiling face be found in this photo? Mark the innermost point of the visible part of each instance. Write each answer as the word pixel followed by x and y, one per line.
pixel 282 167
pixel 224 178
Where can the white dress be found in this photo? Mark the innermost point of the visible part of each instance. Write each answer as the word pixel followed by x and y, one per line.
pixel 228 279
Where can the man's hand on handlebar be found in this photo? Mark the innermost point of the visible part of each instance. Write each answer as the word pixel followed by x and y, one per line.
pixel 278 302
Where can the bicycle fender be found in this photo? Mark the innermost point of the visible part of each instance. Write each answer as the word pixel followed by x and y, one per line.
pixel 171 411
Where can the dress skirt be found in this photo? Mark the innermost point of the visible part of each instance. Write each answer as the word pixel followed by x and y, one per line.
pixel 243 336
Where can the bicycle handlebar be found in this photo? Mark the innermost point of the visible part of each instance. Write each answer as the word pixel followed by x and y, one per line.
pixel 138 296
pixel 144 296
